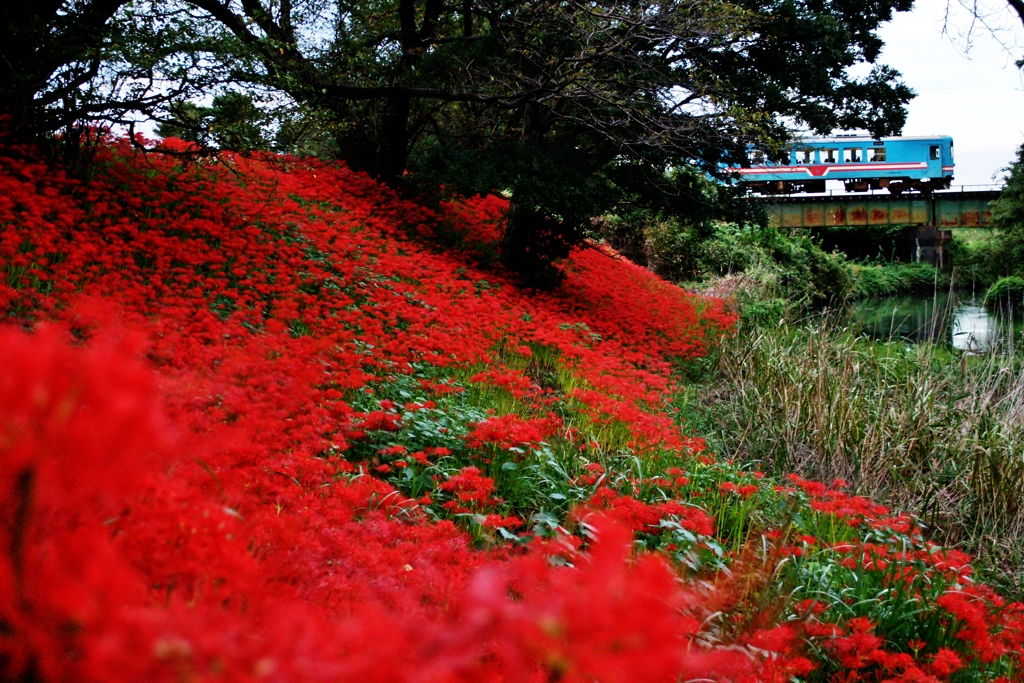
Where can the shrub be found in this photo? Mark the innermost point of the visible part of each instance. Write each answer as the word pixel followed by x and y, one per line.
pixel 1005 293
pixel 892 279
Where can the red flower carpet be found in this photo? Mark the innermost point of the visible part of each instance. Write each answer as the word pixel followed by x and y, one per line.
pixel 257 423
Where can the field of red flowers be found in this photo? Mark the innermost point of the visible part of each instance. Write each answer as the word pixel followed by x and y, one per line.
pixel 263 419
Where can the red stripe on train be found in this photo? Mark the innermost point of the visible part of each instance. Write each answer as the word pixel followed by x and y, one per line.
pixel 818 171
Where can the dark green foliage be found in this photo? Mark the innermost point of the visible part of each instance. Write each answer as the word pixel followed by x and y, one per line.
pixel 1005 294
pixel 808 273
pixel 237 122
pixel 1006 255
pixel 761 313
pixel 308 133
pixel 571 112
pixel 983 261
pixel 1008 210
pixel 891 279
pixel 786 265
pixel 70 66
pixel 880 243
pixel 234 121
pixel 573 108
pixel 677 249
pixel 48 51
pixel 682 243
pixel 804 46
pixel 972 260
pixel 186 123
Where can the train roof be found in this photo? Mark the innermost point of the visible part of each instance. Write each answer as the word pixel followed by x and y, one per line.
pixel 867 138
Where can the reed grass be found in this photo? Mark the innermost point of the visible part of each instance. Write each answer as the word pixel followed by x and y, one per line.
pixel 923 429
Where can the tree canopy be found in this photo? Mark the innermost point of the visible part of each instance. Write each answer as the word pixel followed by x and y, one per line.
pixel 572 108
pixel 70 64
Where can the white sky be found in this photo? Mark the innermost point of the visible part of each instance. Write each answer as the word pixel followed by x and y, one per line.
pixel 977 98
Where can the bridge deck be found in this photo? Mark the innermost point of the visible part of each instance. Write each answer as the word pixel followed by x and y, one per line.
pixel 941 209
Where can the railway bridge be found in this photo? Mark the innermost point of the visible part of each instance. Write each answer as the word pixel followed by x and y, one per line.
pixel 929 217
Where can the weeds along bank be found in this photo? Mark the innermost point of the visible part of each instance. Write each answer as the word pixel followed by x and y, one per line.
pixel 928 430
pixel 256 425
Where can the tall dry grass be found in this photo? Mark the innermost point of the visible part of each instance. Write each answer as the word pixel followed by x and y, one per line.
pixel 921 428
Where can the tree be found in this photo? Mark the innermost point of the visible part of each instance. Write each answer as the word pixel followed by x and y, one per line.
pixel 658 89
pixel 234 122
pixel 69 65
pixel 1008 210
pixel 48 50
pixel 797 65
pixel 571 106
pixel 983 20
pixel 1008 216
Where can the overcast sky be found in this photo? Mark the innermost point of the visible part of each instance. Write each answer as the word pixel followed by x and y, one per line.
pixel 977 98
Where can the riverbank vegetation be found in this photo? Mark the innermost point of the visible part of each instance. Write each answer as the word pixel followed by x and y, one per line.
pixel 924 427
pixel 813 267
pixel 993 260
pixel 330 385
pixel 263 419
pixel 803 268
pixel 934 432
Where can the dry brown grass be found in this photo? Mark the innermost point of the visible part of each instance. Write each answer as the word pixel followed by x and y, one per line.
pixel 938 435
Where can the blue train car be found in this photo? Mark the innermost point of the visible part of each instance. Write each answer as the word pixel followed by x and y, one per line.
pixel 899 164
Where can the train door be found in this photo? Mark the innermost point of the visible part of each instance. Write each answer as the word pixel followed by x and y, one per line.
pixel 935 158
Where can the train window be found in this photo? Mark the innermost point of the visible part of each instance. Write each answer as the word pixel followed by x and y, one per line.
pixel 805 156
pixel 876 154
pixel 852 155
pixel 933 152
pixel 951 150
pixel 828 156
pixel 757 157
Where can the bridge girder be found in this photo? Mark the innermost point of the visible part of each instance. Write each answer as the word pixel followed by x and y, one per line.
pixel 943 210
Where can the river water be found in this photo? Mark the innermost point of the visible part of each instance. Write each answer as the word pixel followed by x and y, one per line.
pixel 954 319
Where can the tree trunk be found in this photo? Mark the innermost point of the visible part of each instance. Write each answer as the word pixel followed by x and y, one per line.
pixel 530 244
pixel 394 143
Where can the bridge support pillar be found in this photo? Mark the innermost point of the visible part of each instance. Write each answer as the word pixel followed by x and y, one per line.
pixel 928 244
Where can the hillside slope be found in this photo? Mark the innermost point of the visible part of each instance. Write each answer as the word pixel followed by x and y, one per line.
pixel 256 424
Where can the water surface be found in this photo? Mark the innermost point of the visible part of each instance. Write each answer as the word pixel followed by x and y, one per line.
pixel 955 319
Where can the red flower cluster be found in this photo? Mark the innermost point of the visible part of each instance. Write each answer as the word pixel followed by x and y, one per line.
pixel 640 516
pixel 508 431
pixel 471 490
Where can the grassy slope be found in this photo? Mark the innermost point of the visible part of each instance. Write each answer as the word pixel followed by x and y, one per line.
pixel 317 417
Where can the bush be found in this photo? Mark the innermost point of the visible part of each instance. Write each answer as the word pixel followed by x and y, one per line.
pixel 892 279
pixel 764 313
pixel 1005 293
pixel 794 266
pixel 675 249
pixel 807 274
pixel 1003 255
pixel 679 251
